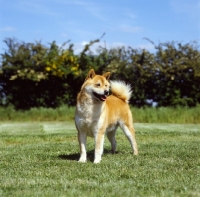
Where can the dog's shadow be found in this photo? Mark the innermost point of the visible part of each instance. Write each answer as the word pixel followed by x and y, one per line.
pixel 90 156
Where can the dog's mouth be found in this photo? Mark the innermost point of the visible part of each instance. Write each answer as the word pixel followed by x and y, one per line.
pixel 101 97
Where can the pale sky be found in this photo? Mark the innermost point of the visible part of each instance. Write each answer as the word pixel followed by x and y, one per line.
pixel 125 22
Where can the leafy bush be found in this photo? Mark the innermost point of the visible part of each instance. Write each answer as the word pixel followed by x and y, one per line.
pixel 178 74
pixel 170 77
pixel 33 75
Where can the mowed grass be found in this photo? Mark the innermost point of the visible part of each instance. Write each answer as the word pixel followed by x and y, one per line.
pixel 40 159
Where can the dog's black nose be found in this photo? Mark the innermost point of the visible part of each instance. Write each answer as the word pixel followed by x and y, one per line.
pixel 106 92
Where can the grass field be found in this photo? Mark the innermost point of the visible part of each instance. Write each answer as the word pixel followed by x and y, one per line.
pixel 180 115
pixel 40 159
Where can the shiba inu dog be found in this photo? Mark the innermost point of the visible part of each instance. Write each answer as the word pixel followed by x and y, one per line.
pixel 98 113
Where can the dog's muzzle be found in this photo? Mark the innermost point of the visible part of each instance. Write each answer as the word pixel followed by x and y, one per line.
pixel 101 97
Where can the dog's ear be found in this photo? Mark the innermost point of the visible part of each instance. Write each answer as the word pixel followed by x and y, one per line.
pixel 90 75
pixel 106 75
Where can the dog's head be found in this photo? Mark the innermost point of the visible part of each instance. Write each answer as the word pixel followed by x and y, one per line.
pixel 97 85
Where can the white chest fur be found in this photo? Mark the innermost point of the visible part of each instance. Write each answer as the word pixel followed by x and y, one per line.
pixel 89 117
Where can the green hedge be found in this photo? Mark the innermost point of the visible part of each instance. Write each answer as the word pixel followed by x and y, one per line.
pixel 34 75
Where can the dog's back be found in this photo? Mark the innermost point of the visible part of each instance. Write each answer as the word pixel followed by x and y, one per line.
pixel 118 111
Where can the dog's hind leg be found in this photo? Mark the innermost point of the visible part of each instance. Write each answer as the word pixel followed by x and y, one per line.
pixel 111 138
pixel 82 138
pixel 130 134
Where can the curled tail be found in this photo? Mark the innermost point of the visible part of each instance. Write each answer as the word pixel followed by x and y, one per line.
pixel 121 90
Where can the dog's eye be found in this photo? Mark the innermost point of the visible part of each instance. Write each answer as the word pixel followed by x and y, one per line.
pixel 98 84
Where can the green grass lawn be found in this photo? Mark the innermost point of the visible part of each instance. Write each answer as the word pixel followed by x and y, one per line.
pixel 40 159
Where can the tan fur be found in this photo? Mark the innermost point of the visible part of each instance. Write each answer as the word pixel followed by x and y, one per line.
pixel 97 113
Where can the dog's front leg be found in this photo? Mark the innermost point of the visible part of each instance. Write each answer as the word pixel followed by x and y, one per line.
pixel 99 141
pixel 82 138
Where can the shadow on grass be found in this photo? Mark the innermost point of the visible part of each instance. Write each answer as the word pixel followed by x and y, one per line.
pixel 90 155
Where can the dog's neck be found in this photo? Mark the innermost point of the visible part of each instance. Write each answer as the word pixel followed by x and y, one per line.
pixel 88 105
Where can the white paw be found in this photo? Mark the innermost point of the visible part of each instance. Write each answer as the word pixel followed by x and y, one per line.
pixel 97 160
pixel 82 160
